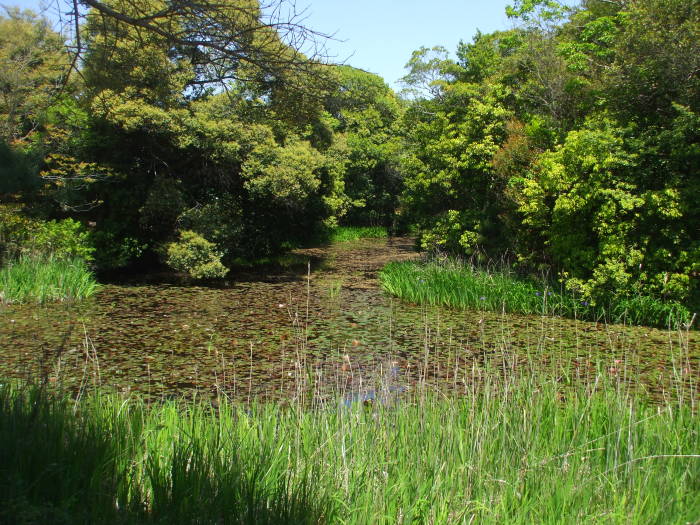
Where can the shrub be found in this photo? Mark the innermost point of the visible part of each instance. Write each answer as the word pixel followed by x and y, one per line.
pixel 165 201
pixel 23 236
pixel 65 239
pixel 195 255
pixel 14 229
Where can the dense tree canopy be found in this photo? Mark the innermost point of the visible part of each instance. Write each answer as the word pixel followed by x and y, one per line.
pixel 209 132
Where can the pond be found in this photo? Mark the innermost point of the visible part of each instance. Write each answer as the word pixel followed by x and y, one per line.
pixel 315 328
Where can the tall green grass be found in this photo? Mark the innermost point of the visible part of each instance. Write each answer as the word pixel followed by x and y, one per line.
pixel 46 280
pixel 354 233
pixel 462 286
pixel 526 449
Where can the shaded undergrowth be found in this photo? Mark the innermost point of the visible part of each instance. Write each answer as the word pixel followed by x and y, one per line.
pixel 462 286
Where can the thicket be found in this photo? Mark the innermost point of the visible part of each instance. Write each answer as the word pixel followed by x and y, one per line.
pixel 570 142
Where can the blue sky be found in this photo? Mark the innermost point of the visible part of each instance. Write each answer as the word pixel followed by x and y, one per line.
pixel 380 35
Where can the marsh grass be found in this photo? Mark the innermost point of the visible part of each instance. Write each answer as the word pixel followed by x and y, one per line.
pixel 354 233
pixel 463 286
pixel 46 280
pixel 529 448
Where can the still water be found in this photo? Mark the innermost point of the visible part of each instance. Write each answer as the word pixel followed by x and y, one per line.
pixel 316 327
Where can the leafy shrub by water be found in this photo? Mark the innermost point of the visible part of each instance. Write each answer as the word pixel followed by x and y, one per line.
pixel 22 236
pixel 46 280
pixel 65 239
pixel 462 286
pixel 195 255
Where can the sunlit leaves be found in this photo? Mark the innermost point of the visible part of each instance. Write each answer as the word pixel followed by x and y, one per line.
pixel 32 68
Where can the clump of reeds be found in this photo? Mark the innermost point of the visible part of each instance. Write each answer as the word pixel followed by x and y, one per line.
pixel 464 286
pixel 40 280
pixel 354 233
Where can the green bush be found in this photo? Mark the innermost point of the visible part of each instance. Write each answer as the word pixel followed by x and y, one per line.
pixel 220 220
pixel 195 255
pixel 14 229
pixel 24 236
pixel 65 239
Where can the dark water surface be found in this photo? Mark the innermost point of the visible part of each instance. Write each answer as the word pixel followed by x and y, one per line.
pixel 299 333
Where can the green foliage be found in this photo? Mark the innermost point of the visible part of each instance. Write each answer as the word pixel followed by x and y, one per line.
pixel 451 191
pixel 15 228
pixel 64 239
pixel 68 181
pixel 570 141
pixel 430 70
pixel 143 148
pixel 549 10
pixel 32 67
pixel 164 203
pixel 43 280
pixel 648 74
pixel 615 231
pixel 18 170
pixel 113 251
pixel 365 148
pixel 286 176
pixel 220 220
pixel 21 235
pixel 195 255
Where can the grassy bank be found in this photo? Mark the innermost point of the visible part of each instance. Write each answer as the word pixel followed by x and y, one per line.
pixel 46 280
pixel 354 233
pixel 513 451
pixel 463 286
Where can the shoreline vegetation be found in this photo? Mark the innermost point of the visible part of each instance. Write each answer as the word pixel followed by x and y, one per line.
pixel 459 285
pixel 43 279
pixel 513 441
pixel 528 448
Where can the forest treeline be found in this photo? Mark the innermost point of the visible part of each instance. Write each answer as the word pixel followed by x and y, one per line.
pixel 570 143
